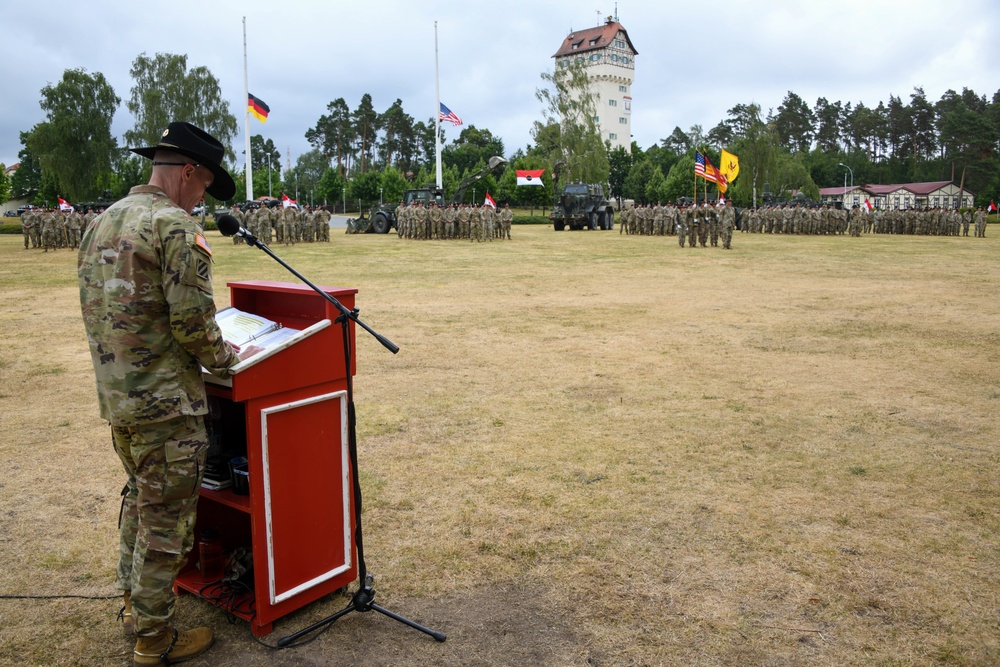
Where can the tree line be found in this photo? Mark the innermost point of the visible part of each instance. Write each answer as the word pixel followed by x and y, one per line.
pixel 364 155
pixel 798 148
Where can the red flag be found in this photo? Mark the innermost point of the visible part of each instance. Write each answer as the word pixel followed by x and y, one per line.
pixel 530 176
pixel 288 202
pixel 868 204
pixel 64 205
pixel 489 201
pixel 992 208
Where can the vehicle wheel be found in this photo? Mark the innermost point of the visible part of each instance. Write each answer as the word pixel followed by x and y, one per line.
pixel 559 225
pixel 593 221
pixel 380 223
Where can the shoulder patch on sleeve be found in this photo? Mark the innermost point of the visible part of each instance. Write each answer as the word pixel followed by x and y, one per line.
pixel 202 242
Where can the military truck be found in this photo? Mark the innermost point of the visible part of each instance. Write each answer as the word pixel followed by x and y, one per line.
pixel 383 216
pixel 582 206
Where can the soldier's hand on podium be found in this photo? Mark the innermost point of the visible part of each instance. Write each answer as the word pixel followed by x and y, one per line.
pixel 249 351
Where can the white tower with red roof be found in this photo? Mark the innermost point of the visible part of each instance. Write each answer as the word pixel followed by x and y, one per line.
pixel 609 56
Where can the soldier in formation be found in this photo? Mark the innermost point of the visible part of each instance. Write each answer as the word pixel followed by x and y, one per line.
pixel 431 220
pixel 828 220
pixel 979 218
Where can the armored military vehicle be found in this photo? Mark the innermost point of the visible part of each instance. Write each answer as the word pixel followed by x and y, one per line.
pixel 383 216
pixel 582 206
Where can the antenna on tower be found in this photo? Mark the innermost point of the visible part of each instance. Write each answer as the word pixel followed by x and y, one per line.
pixel 616 12
pixel 599 12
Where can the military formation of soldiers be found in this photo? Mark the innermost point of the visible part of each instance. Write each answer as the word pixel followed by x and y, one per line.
pixel 825 219
pixel 288 225
pixel 694 224
pixel 53 228
pixel 429 220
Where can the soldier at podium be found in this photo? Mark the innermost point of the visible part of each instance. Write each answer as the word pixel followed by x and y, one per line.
pixel 145 273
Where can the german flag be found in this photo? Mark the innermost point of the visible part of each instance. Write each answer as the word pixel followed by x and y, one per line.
pixel 258 108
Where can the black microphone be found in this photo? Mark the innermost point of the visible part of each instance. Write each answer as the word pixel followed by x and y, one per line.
pixel 229 225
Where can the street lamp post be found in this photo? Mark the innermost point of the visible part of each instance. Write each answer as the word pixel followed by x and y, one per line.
pixel 380 196
pixel 845 180
pixel 473 196
pixel 345 201
pixel 268 174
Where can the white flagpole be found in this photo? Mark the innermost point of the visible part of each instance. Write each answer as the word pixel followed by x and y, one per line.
pixel 437 111
pixel 246 116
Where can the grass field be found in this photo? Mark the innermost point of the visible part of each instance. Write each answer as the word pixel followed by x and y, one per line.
pixel 591 449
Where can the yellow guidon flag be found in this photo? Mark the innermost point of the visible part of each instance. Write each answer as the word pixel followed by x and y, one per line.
pixel 729 165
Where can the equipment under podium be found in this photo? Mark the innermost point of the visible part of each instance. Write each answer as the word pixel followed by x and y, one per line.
pixel 285 410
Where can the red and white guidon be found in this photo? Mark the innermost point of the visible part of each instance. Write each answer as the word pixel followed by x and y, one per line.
pixel 530 177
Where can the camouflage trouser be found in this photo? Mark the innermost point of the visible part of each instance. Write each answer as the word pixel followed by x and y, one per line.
pixel 727 236
pixel 27 235
pixel 165 463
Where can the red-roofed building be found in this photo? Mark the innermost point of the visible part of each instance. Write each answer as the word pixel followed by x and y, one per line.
pixel 944 194
pixel 609 57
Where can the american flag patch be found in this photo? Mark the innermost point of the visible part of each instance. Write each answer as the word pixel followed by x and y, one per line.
pixel 201 241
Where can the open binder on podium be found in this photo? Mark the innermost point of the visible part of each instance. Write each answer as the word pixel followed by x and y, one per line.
pixel 285 410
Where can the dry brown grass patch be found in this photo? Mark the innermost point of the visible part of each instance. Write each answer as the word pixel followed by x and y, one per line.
pixel 782 454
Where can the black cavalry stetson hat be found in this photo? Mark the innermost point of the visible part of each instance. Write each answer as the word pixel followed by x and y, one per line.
pixel 197 144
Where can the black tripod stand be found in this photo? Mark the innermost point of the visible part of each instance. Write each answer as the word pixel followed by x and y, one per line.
pixel 363 599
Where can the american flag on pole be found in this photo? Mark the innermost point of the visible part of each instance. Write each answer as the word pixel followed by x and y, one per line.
pixel 704 168
pixel 699 164
pixel 448 116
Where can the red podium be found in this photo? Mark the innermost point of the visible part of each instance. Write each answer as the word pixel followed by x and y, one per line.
pixel 289 405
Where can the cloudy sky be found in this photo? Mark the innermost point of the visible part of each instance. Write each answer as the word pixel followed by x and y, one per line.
pixel 696 59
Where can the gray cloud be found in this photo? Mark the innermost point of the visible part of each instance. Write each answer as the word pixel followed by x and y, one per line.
pixel 695 60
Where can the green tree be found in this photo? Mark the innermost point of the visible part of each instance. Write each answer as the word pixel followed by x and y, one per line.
pixel 393 184
pixel 619 163
pixel 74 144
pixel 472 147
pixel 828 122
pixel 334 134
pixel 398 144
pixel 638 176
pixel 263 153
pixel 330 188
pixel 308 170
pixel 27 180
pixel 5 187
pixel 365 120
pixel 656 187
pixel 680 179
pixel 164 91
pixel 756 149
pixel 365 187
pixel 794 123
pixel 720 136
pixel 570 102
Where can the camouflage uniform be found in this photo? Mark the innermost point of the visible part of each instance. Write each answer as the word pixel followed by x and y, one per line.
pixel 145 275
pixel 476 224
pixel 49 230
pixel 488 215
pixel 26 218
pixel 727 220
pixel 463 222
pixel 507 217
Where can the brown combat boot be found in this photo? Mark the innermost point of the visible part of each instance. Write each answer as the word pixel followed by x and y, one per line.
pixel 171 646
pixel 125 614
